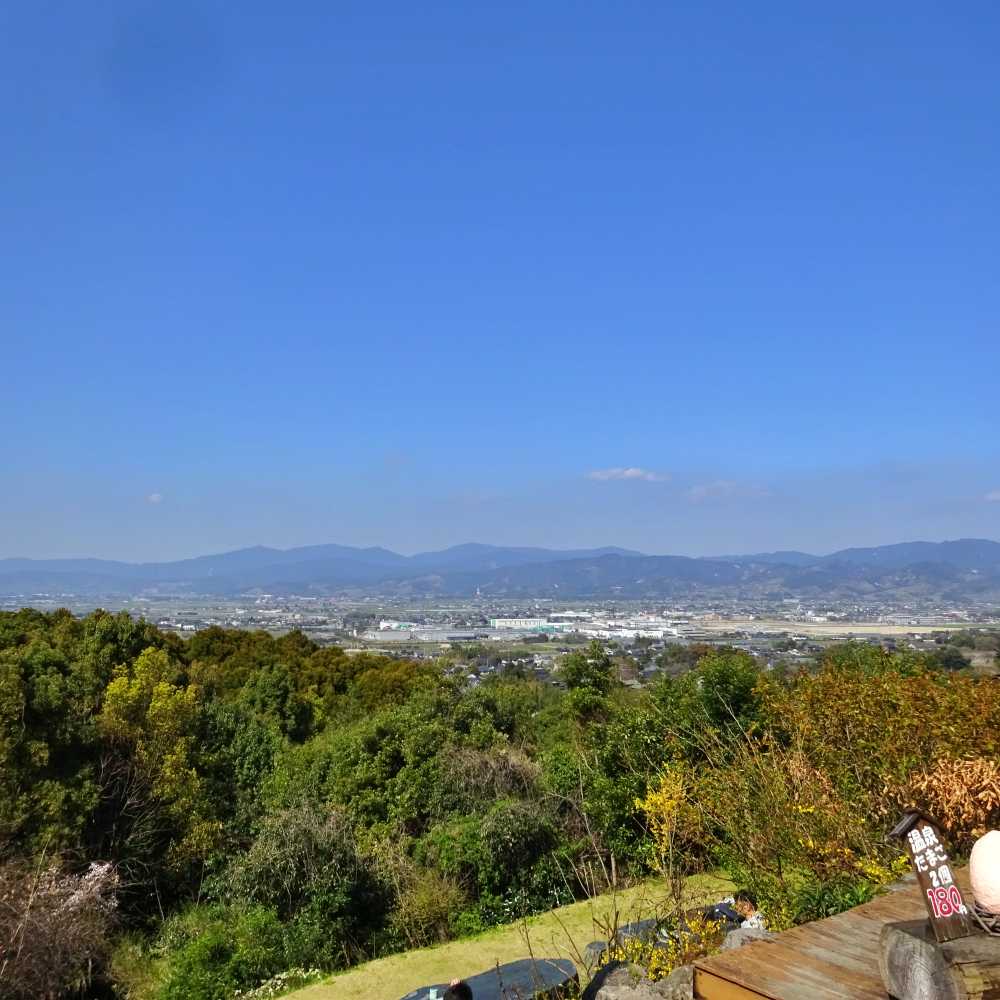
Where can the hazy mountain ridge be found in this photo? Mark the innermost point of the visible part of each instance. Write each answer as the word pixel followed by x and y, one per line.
pixel 670 576
pixel 953 569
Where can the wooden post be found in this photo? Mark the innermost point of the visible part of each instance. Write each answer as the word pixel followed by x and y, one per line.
pixel 949 916
pixel 915 966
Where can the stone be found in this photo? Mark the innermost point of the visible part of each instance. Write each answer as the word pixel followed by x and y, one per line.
pixel 642 930
pixel 619 981
pixel 745 935
pixel 679 985
pixel 593 954
pixel 622 981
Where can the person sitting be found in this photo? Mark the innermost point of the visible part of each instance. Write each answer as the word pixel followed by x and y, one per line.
pixel 457 990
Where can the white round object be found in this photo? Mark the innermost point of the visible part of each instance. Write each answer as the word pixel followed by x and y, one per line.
pixel 984 871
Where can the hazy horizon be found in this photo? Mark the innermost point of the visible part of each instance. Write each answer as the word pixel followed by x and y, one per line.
pixel 817 514
pixel 554 549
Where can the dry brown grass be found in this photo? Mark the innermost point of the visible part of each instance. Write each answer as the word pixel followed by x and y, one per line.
pixel 962 795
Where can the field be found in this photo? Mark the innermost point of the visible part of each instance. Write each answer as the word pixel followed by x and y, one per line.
pixel 822 630
pixel 562 933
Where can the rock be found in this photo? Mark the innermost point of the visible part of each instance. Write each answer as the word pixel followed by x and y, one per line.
pixel 593 954
pixel 621 981
pixel 745 935
pixel 643 930
pixel 679 985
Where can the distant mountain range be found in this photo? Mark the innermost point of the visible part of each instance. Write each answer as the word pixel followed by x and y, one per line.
pixel 962 570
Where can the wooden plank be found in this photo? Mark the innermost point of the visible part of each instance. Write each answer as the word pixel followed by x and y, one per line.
pixel 708 986
pixel 833 958
pixel 790 975
pixel 851 952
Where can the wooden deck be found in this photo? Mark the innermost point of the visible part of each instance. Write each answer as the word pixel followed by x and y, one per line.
pixel 827 959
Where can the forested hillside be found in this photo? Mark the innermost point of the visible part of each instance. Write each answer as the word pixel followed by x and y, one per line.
pixel 182 820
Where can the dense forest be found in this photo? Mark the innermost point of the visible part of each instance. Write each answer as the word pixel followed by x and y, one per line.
pixel 182 820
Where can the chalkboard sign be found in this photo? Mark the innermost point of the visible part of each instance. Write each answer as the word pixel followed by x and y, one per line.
pixel 948 913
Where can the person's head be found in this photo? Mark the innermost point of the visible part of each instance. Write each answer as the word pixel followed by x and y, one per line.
pixel 458 991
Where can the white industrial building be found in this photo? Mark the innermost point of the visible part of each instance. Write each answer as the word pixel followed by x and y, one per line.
pixel 518 622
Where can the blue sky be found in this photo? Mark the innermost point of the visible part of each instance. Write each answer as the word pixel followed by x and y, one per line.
pixel 411 274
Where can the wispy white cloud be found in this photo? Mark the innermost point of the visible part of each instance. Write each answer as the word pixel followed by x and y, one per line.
pixel 630 472
pixel 993 496
pixel 724 489
pixel 154 498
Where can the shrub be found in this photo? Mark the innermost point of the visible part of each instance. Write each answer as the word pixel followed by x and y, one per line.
pixel 816 900
pixel 305 863
pixel 504 861
pixel 675 824
pixel 589 676
pixel 235 948
pixel 515 835
pixel 963 795
pixel 134 968
pixel 795 795
pixel 456 849
pixel 426 907
pixel 691 938
pixel 869 721
pixel 282 983
pixel 486 775
pixel 772 819
pixel 723 693
pixel 55 928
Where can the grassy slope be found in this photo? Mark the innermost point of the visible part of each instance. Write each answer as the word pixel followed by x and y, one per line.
pixel 564 932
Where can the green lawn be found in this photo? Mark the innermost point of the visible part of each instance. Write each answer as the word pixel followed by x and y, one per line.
pixel 562 933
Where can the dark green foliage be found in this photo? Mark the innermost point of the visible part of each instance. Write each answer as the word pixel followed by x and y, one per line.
pixel 306 865
pixel 239 751
pixel 48 746
pixel 213 951
pixel 817 900
pixel 299 787
pixel 590 669
pixel 507 861
pixel 720 693
pixel 950 658
pixel 270 693
pixel 625 753
pixel 333 807
pixel 677 658
pixel 589 676
pixel 53 673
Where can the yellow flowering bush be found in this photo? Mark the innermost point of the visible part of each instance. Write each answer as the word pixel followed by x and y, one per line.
pixel 695 937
